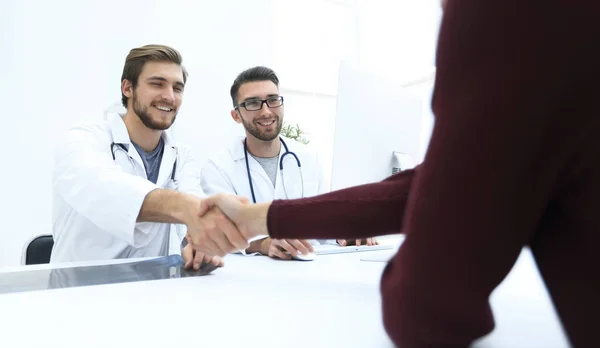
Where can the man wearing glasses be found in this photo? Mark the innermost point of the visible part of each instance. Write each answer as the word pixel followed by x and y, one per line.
pixel 264 165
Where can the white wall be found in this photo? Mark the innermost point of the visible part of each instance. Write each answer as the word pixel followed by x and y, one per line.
pixel 61 63
pixel 397 39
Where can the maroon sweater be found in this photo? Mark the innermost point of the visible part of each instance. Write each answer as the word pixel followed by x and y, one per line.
pixel 514 160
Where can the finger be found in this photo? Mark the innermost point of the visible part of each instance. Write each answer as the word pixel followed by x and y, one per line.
pixel 288 247
pixel 208 247
pixel 375 241
pixel 214 242
pixel 213 260
pixel 187 253
pixel 206 204
pixel 370 241
pixel 299 246
pixel 358 242
pixel 198 258
pixel 276 253
pixel 341 242
pixel 210 263
pixel 218 261
pixel 233 235
pixel 307 245
pixel 222 246
pixel 229 205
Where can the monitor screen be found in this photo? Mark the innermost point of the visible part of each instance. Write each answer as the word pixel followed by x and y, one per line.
pixel 378 124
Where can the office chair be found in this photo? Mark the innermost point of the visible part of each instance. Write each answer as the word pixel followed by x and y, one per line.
pixel 37 250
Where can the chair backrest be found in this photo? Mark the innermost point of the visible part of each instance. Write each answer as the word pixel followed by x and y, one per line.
pixel 37 250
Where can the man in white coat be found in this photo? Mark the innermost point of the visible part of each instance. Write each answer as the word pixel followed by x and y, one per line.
pixel 264 166
pixel 122 188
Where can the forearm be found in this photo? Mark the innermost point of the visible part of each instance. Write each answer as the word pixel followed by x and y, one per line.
pixel 168 206
pixel 491 164
pixel 355 212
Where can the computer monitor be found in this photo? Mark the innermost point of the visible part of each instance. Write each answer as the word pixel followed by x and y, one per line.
pixel 375 118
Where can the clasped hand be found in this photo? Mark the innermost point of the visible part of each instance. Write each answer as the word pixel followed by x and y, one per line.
pixel 224 224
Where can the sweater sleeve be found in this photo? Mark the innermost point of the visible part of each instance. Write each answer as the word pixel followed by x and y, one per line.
pixel 356 212
pixel 508 116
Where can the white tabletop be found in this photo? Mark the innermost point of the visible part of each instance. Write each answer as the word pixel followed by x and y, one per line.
pixel 332 301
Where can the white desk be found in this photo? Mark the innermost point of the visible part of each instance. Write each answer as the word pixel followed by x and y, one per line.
pixel 254 301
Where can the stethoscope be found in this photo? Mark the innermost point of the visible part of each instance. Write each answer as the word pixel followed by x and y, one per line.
pixel 122 146
pixel 287 152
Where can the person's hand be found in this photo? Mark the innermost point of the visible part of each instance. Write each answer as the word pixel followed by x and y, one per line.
pixel 358 242
pixel 212 233
pixel 276 248
pixel 250 219
pixel 195 259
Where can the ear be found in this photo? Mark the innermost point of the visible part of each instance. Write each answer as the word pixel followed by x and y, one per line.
pixel 236 116
pixel 127 88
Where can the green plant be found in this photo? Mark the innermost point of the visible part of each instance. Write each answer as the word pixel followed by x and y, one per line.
pixel 293 132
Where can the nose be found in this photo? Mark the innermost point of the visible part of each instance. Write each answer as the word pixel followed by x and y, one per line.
pixel 265 109
pixel 168 95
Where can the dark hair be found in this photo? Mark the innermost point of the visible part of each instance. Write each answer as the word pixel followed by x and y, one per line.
pixel 137 57
pixel 258 73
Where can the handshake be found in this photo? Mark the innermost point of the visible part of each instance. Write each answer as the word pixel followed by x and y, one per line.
pixel 222 224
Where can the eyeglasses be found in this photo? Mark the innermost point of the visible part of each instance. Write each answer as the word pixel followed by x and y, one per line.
pixel 256 104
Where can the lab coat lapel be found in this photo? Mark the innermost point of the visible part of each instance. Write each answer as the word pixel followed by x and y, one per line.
pixel 263 187
pixel 168 160
pixel 279 192
pixel 166 165
pixel 132 152
pixel 121 136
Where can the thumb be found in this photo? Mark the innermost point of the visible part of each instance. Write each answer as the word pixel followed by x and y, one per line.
pixel 187 254
pixel 206 204
pixel 229 205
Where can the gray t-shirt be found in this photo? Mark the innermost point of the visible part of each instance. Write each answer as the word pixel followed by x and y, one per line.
pixel 151 159
pixel 269 165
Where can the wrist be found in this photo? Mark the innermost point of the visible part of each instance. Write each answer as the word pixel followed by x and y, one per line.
pixel 255 219
pixel 186 209
pixel 256 247
pixel 265 244
pixel 162 205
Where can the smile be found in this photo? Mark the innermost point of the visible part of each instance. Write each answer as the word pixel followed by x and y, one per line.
pixel 163 108
pixel 266 123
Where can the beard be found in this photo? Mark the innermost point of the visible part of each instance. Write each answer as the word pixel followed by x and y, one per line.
pixel 253 129
pixel 146 118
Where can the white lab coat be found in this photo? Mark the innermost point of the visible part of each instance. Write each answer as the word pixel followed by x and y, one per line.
pixel 226 172
pixel 96 200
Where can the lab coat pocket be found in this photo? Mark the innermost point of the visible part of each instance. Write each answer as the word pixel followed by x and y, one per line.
pixel 144 233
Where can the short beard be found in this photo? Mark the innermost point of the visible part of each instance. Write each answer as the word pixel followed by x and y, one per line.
pixel 144 116
pixel 250 128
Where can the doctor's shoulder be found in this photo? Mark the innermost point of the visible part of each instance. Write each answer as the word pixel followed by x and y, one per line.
pixel 215 173
pixel 301 148
pixel 308 155
pixel 223 161
pixel 94 133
